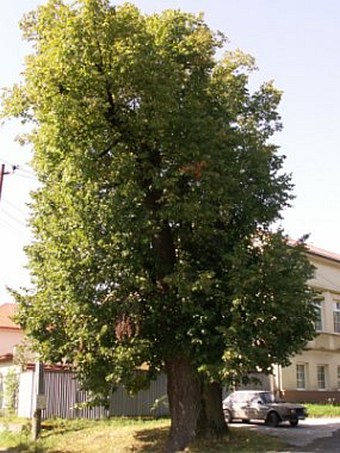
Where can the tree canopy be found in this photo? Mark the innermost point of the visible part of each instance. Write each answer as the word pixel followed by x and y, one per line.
pixel 159 186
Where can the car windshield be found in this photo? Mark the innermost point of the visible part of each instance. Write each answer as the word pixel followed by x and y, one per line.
pixel 268 398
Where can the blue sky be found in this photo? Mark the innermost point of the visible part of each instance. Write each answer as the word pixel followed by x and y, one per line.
pixel 295 43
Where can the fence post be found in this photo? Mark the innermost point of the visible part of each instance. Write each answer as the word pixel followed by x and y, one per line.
pixel 39 402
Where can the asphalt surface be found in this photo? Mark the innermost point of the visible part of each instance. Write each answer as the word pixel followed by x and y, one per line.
pixel 311 435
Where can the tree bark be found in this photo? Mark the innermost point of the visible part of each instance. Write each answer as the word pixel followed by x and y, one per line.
pixel 184 401
pixel 211 422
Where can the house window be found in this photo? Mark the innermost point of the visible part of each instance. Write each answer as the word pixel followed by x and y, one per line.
pixel 338 376
pixel 336 317
pixel 318 321
pixel 300 376
pixel 321 377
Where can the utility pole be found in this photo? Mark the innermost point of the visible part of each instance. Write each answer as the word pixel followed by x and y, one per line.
pixel 3 173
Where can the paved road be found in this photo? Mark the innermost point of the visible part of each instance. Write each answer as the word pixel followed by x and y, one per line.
pixel 311 435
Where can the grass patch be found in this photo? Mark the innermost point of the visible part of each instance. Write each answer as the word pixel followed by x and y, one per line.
pixel 14 440
pixel 323 410
pixel 123 435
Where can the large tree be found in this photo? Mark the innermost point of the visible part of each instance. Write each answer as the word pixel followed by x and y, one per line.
pixel 151 223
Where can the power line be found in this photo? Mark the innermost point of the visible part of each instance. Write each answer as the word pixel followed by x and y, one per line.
pixel 9 226
pixel 14 169
pixel 21 211
pixel 25 169
pixel 32 178
pixel 15 219
pixel 12 226
pixel 5 161
pixel 20 221
pixel 22 167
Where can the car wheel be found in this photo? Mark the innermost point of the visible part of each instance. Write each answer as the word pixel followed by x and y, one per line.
pixel 227 415
pixel 272 419
pixel 294 422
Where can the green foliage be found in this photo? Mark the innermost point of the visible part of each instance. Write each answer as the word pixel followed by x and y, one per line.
pixel 11 389
pixel 158 189
pixel 24 353
pixel 272 311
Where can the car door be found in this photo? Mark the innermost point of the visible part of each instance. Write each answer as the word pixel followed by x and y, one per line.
pixel 255 408
pixel 240 406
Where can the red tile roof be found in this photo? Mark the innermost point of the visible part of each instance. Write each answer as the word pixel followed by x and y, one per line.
pixel 323 253
pixel 7 311
pixel 312 250
pixel 6 357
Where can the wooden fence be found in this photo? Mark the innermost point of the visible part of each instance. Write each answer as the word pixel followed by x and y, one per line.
pixel 63 397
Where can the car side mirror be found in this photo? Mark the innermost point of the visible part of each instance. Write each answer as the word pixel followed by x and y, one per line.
pixel 259 402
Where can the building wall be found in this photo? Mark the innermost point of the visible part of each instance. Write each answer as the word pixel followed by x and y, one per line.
pixel 310 360
pixel 327 273
pixel 26 394
pixel 321 359
pixel 9 338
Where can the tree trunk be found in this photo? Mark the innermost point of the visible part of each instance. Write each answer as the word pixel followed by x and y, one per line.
pixel 211 422
pixel 184 401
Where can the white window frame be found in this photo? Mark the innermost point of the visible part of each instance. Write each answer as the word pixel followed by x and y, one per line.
pixel 338 376
pixel 301 376
pixel 336 317
pixel 321 376
pixel 319 320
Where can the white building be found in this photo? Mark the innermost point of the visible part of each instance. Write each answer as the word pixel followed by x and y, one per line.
pixel 314 375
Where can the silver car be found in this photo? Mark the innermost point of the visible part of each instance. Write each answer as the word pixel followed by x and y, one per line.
pixel 249 405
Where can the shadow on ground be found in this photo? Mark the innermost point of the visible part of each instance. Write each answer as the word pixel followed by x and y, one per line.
pixel 152 440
